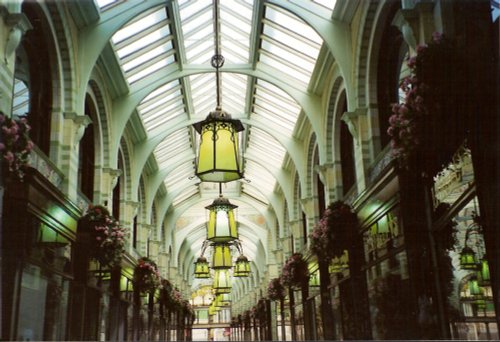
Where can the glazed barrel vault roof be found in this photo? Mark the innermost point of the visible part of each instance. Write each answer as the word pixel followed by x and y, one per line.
pixel 271 49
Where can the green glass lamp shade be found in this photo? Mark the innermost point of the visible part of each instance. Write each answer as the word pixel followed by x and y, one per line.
pixel 222 281
pixel 221 258
pixel 211 310
pixel 201 270
pixel 221 222
pixel 222 300
pixel 218 155
pixel 474 288
pixel 483 274
pixel 242 267
pixel 314 279
pixel 468 259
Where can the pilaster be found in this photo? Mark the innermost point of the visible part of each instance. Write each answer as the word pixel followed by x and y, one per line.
pixel 109 180
pixel 74 127
pixel 13 26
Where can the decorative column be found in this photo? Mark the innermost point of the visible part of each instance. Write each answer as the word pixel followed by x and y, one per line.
pixel 363 148
pixel 109 180
pixel 73 130
pixel 330 175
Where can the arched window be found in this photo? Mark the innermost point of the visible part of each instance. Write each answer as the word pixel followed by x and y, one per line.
pixel 86 155
pixel 390 68
pixel 33 77
pixel 117 190
pixel 320 187
pixel 346 152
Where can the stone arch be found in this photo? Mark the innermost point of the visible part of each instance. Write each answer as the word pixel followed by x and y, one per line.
pixel 127 189
pixel 387 49
pixel 66 53
pixel 362 48
pixel 330 122
pixel 310 165
pixel 96 86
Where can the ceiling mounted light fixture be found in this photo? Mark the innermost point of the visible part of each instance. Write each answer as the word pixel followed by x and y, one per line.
pixel 218 153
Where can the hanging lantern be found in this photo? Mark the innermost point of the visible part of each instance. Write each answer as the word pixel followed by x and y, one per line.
pixel 242 267
pixel 222 282
pixel 314 279
pixel 222 300
pixel 218 155
pixel 221 258
pixel 475 290
pixel 483 274
pixel 211 310
pixel 468 259
pixel 221 222
pixel 201 270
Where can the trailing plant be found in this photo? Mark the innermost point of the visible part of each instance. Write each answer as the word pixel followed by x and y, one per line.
pixel 15 145
pixel 334 232
pixel 146 276
pixel 275 289
pixel 107 237
pixel 432 92
pixel 295 271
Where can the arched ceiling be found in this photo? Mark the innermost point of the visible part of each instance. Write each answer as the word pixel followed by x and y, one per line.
pixel 164 54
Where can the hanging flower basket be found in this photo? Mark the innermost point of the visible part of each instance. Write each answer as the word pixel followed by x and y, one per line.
pixel 146 276
pixel 432 94
pixel 275 289
pixel 105 237
pixel 15 145
pixel 334 232
pixel 295 272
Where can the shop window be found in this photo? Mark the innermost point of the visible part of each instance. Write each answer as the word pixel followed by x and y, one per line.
pixel 43 306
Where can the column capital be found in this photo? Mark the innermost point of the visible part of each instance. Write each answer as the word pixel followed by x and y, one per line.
pixel 18 24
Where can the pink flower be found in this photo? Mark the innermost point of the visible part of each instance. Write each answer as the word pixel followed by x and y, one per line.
pixel 9 156
pixel 411 62
pixel 437 37
pixel 2 146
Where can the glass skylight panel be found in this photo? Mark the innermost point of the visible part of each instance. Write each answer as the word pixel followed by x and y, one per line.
pixel 274 105
pixel 145 45
pixel 259 177
pixel 233 93
pixel 21 98
pixel 179 176
pixel 265 146
pixel 185 194
pixel 104 3
pixel 252 191
pixel 203 91
pixel 162 105
pixel 197 30
pixel 289 45
pixel 176 144
pixel 139 25
pixel 235 31
pixel 330 4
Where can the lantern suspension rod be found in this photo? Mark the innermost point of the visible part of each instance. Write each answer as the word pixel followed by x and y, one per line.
pixel 204 247
pixel 219 60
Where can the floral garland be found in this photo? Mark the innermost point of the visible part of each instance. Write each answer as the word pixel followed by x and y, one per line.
pixel 107 238
pixel 407 128
pixel 16 145
pixel 146 275
pixel 333 233
pixel 295 271
pixel 275 289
